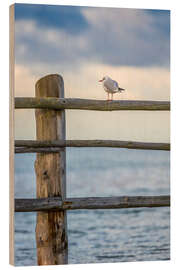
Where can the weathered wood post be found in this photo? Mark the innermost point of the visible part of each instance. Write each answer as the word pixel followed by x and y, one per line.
pixel 51 228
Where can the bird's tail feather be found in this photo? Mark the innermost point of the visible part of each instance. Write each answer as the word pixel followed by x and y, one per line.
pixel 121 89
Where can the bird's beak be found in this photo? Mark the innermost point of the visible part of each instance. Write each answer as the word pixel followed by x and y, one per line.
pixel 100 80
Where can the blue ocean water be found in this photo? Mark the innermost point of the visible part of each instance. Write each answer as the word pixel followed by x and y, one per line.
pixel 96 236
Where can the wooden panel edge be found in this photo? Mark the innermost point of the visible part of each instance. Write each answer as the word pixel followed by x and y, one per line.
pixel 11 131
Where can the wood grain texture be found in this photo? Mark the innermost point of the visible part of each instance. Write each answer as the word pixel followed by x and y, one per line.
pixel 54 204
pixel 11 132
pixel 51 227
pixel 90 104
pixel 30 146
pixel 22 150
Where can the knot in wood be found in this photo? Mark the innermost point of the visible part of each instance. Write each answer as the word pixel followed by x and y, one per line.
pixel 45 174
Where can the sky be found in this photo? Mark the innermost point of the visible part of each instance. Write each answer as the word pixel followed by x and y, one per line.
pixel 83 44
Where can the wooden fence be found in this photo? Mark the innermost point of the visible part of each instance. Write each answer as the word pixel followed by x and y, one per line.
pixel 51 203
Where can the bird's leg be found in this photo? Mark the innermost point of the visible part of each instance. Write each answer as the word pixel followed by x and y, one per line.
pixel 111 97
pixel 108 96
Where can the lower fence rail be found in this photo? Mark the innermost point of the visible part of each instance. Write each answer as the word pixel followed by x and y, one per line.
pixel 57 204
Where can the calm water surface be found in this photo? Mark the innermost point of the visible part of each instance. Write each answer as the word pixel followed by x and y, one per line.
pixel 103 235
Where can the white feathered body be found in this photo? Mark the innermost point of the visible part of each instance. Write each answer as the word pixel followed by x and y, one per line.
pixel 110 86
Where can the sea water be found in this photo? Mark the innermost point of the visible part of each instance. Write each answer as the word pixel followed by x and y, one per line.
pixel 99 236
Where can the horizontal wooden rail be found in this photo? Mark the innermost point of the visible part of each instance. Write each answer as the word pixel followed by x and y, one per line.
pixel 30 146
pixel 23 150
pixel 89 104
pixel 55 204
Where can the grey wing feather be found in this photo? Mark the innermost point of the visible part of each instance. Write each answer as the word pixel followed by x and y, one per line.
pixel 116 84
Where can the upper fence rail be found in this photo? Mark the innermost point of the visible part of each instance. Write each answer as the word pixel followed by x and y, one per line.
pixel 89 104
pixel 29 146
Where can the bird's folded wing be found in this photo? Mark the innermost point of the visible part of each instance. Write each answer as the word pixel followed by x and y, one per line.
pixel 116 84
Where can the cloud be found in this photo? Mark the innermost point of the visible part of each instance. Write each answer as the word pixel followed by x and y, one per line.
pixel 111 36
pixel 52 16
pixel 24 81
pixel 47 46
pixel 129 36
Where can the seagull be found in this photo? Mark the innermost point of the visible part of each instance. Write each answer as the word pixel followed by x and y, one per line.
pixel 110 86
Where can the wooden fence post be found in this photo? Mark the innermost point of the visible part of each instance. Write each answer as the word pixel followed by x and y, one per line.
pixel 51 227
